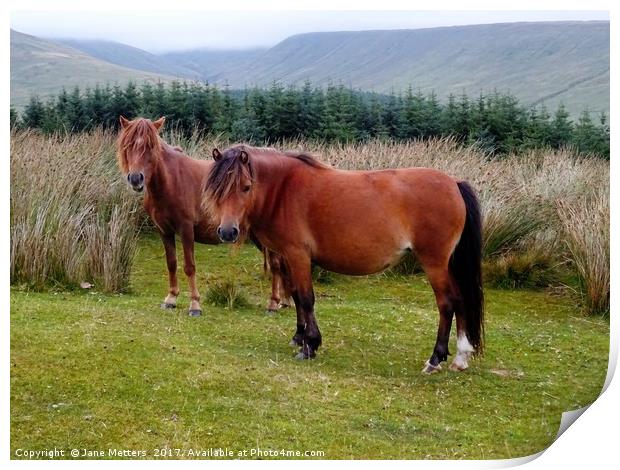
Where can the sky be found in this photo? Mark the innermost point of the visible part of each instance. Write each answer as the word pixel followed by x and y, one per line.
pixel 162 31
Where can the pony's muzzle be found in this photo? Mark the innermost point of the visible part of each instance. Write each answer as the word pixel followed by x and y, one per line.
pixel 136 181
pixel 228 234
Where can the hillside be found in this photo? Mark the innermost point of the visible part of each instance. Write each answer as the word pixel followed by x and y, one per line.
pixel 211 64
pixel 43 67
pixel 128 56
pixel 555 62
pixel 552 62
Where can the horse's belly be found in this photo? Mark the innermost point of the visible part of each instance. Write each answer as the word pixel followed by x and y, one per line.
pixel 359 263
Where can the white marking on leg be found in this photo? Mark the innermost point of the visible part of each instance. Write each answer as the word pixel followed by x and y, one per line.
pixel 464 350
pixel 170 299
pixel 430 368
pixel 194 305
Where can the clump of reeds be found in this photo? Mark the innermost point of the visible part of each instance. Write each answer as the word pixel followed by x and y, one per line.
pixel 585 227
pixel 72 219
pixel 226 293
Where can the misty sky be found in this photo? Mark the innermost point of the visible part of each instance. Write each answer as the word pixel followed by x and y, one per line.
pixel 160 31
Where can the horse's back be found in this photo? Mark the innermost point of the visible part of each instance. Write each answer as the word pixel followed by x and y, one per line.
pixel 384 192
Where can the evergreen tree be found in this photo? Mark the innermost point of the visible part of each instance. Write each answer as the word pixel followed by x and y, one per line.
pixel 95 107
pixel 14 119
pixel 413 116
pixel 34 113
pixel 496 123
pixel 133 102
pixel 227 113
pixel 450 117
pixel 75 116
pixel 392 116
pixel 561 128
pixel 374 123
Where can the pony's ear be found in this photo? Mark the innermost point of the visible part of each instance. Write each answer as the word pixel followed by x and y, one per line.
pixel 244 157
pixel 124 121
pixel 159 122
pixel 217 156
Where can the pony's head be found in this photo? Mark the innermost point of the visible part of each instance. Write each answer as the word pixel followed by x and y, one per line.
pixel 229 191
pixel 139 150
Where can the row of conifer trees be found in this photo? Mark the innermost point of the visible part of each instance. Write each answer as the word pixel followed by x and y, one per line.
pixel 496 122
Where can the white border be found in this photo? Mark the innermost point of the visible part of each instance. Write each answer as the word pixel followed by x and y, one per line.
pixel 590 441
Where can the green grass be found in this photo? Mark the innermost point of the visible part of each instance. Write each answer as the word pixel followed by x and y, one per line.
pixel 98 371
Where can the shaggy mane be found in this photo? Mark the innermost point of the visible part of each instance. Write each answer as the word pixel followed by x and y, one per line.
pixel 140 136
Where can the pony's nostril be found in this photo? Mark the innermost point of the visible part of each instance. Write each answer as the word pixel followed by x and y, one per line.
pixel 235 233
pixel 135 179
pixel 219 232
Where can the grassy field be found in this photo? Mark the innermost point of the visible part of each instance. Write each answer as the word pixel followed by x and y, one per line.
pixel 97 371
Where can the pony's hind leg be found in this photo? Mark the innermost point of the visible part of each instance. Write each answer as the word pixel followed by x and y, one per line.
pixel 171 261
pixel 274 262
pixel 443 287
pixel 280 288
pixel 286 289
pixel 464 349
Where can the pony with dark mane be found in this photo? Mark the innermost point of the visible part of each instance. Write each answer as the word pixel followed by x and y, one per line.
pixel 173 186
pixel 357 223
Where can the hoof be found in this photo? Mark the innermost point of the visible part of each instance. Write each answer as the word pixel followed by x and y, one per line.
pixel 195 313
pixel 431 369
pixel 301 356
pixel 305 353
pixel 270 311
pixel 166 306
pixel 458 366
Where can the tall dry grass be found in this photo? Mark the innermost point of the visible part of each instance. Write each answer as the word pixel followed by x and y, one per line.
pixel 72 219
pixel 585 227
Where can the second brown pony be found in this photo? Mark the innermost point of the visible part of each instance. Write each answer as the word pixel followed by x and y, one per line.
pixel 357 222
pixel 173 185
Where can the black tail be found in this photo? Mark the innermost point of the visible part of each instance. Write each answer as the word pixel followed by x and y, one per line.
pixel 466 267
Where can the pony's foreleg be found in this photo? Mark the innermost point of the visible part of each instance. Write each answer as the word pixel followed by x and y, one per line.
pixel 442 284
pixel 190 271
pixel 308 335
pixel 171 261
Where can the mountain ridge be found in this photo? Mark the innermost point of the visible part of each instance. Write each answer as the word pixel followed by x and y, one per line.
pixel 40 67
pixel 538 62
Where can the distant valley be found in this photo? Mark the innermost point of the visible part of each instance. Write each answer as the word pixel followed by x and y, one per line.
pixel 554 62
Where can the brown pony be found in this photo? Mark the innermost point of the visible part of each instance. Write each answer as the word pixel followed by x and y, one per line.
pixel 173 185
pixel 357 223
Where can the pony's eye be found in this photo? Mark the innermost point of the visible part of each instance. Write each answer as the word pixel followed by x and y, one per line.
pixel 246 188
